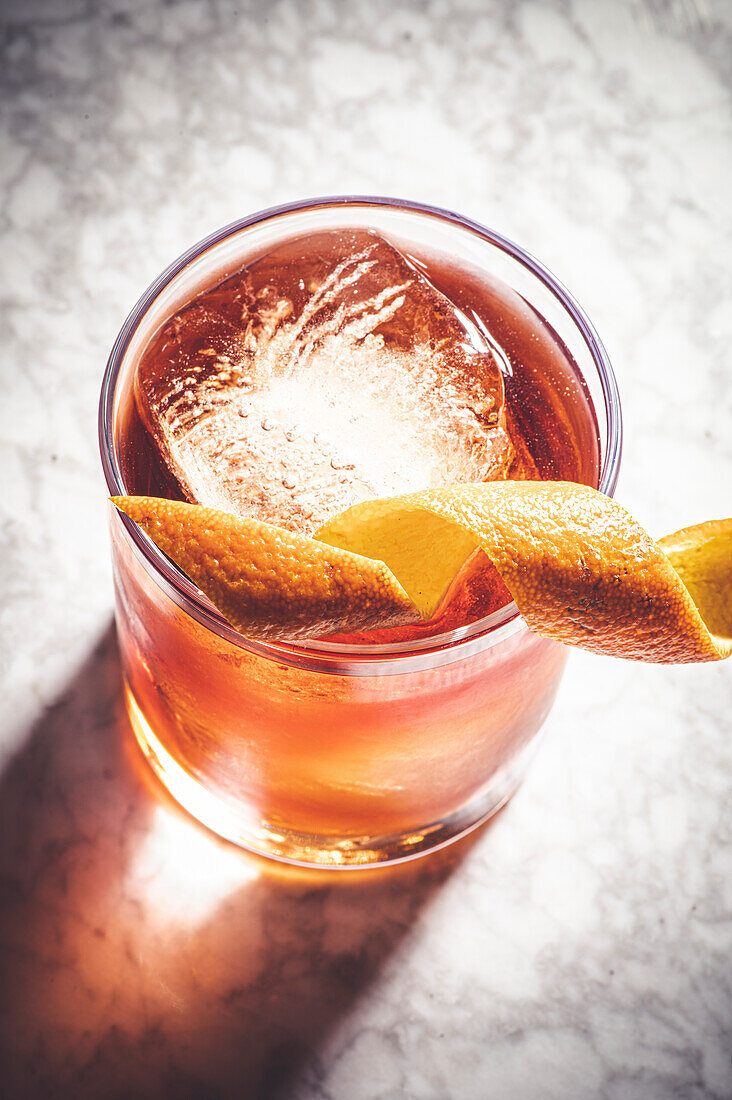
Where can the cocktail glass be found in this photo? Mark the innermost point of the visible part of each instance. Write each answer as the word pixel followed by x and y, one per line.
pixel 323 753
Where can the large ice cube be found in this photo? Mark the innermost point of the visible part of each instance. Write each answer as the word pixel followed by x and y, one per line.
pixel 327 372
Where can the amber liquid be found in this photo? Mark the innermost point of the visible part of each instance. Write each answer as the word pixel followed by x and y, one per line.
pixel 550 418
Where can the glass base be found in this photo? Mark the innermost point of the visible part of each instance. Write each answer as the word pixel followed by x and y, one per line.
pixel 234 823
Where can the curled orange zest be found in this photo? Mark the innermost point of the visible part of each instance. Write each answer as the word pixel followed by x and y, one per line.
pixel 579 567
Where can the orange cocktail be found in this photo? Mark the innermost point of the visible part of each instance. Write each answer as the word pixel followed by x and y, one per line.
pixel 296 363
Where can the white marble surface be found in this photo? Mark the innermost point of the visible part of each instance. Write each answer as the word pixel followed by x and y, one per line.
pixel 578 947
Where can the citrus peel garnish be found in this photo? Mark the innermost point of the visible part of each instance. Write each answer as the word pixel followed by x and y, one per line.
pixel 268 582
pixel 579 567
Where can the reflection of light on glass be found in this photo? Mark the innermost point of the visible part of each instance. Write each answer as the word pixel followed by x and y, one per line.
pixel 204 806
pixel 183 870
pixel 179 866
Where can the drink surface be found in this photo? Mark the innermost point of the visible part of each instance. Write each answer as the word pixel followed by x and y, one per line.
pixel 340 367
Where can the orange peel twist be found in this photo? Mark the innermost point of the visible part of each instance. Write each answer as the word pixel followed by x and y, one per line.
pixel 579 567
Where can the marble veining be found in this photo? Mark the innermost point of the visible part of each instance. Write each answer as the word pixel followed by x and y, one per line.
pixel 580 945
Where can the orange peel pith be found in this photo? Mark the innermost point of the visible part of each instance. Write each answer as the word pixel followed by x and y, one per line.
pixel 579 567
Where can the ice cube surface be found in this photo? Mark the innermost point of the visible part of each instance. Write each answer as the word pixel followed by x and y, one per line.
pixel 326 372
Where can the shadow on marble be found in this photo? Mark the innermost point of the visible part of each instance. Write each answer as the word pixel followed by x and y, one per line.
pixel 141 956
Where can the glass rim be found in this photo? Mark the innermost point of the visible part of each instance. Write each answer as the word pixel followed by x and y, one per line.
pixel 502 623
